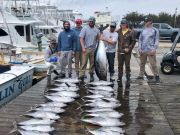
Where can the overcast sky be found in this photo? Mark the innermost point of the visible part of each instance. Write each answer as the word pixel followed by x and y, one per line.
pixel 119 7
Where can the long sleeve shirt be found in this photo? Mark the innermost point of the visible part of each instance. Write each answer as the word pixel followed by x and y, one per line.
pixel 148 40
pixel 66 41
pixel 126 40
pixel 49 52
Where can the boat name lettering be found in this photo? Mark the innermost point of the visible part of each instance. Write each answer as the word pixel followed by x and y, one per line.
pixel 23 82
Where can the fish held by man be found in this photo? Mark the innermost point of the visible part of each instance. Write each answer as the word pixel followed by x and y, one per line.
pixel 101 61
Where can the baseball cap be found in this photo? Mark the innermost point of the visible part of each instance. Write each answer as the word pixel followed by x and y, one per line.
pixel 92 19
pixel 124 21
pixel 113 24
pixel 148 19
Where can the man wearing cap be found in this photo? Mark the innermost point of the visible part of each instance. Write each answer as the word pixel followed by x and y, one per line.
pixel 148 43
pixel 51 58
pixel 78 50
pixel 66 41
pixel 110 39
pixel 89 37
pixel 126 42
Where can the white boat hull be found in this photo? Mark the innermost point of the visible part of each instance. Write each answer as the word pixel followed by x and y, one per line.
pixel 15 82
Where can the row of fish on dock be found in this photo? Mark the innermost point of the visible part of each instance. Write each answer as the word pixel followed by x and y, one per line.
pixel 44 115
pixel 99 99
pixel 101 111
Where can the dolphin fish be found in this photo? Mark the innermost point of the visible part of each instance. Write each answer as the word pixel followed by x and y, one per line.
pixel 101 61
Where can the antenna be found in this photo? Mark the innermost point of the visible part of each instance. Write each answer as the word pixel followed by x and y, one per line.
pixel 1 11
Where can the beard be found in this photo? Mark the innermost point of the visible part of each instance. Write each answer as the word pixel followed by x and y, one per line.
pixel 66 28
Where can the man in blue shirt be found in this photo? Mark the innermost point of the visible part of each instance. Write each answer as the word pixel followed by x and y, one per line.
pixel 66 49
pixel 78 50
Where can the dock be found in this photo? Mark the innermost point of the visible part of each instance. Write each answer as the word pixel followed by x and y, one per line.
pixel 142 112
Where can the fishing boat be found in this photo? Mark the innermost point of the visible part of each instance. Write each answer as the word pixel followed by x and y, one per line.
pixel 14 82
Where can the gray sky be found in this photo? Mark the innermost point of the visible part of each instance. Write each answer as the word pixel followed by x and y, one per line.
pixel 119 7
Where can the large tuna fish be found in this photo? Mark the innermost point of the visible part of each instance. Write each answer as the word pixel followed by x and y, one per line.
pixel 101 61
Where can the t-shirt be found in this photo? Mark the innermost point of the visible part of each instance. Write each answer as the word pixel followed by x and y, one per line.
pixel 90 36
pixel 77 39
pixel 109 35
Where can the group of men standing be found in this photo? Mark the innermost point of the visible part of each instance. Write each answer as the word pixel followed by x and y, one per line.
pixel 81 42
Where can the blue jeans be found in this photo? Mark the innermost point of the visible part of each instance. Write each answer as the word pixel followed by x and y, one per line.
pixel 110 58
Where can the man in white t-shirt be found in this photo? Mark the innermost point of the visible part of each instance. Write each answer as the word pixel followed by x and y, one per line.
pixel 110 39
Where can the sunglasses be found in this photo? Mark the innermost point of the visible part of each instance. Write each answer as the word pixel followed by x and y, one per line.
pixel 112 26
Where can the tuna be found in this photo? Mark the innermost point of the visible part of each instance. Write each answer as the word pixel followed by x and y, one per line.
pixel 56 104
pixel 101 83
pixel 108 114
pixel 94 110
pixel 40 128
pixel 101 61
pixel 94 96
pixel 50 109
pixel 75 81
pixel 42 114
pixel 107 122
pixel 24 132
pixel 65 94
pixel 103 104
pixel 66 84
pixel 101 92
pixel 114 129
pixel 103 88
pixel 64 89
pixel 60 99
pixel 106 99
pixel 37 122
pixel 99 132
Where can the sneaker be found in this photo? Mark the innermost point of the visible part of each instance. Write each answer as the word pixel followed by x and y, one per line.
pixel 128 77
pixel 69 75
pixel 112 77
pixel 56 72
pixel 120 84
pixel 119 79
pixel 91 78
pixel 62 75
pixel 81 78
pixel 77 74
pixel 157 79
pixel 127 84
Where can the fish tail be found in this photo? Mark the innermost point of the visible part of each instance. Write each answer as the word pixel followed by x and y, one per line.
pixel 14 127
pixel 67 84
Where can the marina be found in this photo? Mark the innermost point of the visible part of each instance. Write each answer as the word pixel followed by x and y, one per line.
pixel 40 96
